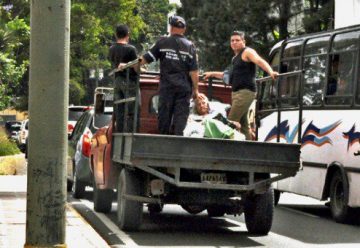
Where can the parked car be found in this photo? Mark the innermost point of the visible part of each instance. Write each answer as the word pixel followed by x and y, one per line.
pixel 23 134
pixel 74 114
pixel 12 129
pixel 78 170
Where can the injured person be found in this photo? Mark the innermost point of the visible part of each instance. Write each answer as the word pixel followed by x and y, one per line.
pixel 208 119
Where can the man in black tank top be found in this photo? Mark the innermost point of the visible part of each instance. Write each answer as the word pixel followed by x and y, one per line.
pixel 242 80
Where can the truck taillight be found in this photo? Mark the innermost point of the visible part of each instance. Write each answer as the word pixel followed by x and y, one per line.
pixel 86 145
pixel 70 128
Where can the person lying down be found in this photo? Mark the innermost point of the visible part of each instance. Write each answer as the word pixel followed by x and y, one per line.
pixel 208 119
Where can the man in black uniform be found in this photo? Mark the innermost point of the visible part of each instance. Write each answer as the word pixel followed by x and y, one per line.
pixel 178 76
pixel 122 52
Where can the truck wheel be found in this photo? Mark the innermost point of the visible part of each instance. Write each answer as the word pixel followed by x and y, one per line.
pixel 78 188
pixel 277 195
pixel 339 195
pixel 102 199
pixel 259 210
pixel 129 213
pixel 215 211
pixel 193 209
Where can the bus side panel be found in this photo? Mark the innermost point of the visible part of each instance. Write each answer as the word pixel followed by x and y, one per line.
pixel 328 136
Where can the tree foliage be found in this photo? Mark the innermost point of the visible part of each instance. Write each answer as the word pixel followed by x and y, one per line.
pixel 93 24
pixel 264 21
pixel 14 40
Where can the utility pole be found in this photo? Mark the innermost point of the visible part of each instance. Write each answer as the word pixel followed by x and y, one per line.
pixel 48 111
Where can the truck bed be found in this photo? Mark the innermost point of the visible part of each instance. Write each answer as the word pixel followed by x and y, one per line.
pixel 148 152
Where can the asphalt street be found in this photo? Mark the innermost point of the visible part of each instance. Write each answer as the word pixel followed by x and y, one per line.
pixel 298 222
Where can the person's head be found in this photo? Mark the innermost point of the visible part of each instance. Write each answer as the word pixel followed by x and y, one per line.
pixel 122 31
pixel 177 25
pixel 202 105
pixel 237 40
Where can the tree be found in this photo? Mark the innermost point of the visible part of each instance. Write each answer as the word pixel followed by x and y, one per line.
pixel 14 37
pixel 211 23
pixel 265 22
pixel 319 15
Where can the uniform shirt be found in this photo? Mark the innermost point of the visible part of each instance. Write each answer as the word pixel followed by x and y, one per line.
pixel 166 49
pixel 122 53
pixel 243 74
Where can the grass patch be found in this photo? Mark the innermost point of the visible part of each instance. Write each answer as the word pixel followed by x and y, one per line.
pixel 8 166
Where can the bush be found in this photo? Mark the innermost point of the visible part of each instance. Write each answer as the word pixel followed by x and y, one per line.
pixel 7 147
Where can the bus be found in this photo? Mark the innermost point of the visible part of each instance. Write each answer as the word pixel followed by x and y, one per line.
pixel 316 102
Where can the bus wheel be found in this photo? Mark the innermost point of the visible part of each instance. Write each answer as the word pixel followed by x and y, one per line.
pixel 129 212
pixel 259 210
pixel 339 195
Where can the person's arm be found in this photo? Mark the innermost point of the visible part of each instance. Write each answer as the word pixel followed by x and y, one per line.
pixel 215 74
pixel 253 56
pixel 194 75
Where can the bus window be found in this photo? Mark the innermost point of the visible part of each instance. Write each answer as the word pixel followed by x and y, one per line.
pixel 293 49
pixel 342 69
pixel 291 57
pixel 314 71
pixel 288 90
pixel 275 60
pixel 267 94
pixel 345 42
pixel 358 85
pixel 317 46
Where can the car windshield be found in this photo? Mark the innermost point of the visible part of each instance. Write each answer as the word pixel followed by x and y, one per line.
pixel 75 113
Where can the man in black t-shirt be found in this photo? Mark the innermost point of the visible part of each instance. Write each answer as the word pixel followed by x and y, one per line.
pixel 122 52
pixel 178 76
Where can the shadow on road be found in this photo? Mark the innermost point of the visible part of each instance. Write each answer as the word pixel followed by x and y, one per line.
pixel 313 224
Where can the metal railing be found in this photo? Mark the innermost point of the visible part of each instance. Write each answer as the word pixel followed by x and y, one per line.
pixel 277 99
pixel 126 99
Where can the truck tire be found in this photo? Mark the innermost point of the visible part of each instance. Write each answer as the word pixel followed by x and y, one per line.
pixel 216 211
pixel 129 213
pixel 339 196
pixel 102 199
pixel 259 210
pixel 78 188
pixel 193 209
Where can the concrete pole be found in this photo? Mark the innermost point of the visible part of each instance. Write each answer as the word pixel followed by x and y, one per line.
pixel 48 112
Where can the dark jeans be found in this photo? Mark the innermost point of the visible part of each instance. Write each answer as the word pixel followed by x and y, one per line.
pixel 124 124
pixel 173 110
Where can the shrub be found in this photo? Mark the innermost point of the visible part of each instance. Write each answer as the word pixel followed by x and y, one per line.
pixel 7 147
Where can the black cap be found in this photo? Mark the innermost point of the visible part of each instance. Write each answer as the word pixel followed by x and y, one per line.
pixel 177 21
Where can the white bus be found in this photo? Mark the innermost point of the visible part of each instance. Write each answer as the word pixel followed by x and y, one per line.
pixel 317 103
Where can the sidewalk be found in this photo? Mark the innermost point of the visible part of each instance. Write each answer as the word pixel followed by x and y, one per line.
pixel 13 218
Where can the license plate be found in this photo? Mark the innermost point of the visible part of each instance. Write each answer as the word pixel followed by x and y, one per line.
pixel 215 178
